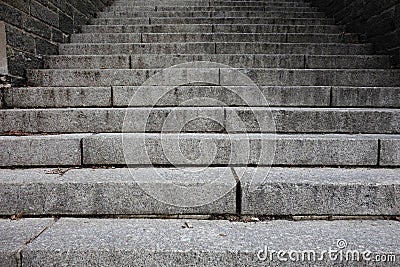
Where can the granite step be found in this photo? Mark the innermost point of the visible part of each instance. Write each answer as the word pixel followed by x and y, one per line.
pixel 258 8
pixel 215 48
pixel 212 37
pixel 215 76
pixel 284 12
pixel 141 191
pixel 41 150
pixel 283 96
pixel 123 191
pixel 162 242
pixel 299 2
pixel 58 97
pixel 251 3
pixel 201 120
pixel 297 61
pixel 225 20
pixel 200 149
pixel 207 28
pixel 199 5
pixel 212 3
pixel 179 2
pixel 209 3
pixel 241 149
pixel 147 242
pixel 307 11
pixel 297 96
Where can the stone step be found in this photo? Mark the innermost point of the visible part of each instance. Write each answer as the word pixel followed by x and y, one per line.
pixel 241 149
pixel 58 97
pixel 254 28
pixel 16 234
pixel 294 2
pixel 293 48
pixel 87 62
pixel 200 149
pixel 211 3
pixel 215 76
pixel 41 150
pixel 251 3
pixel 265 61
pixel 225 4
pixel 201 119
pixel 207 28
pixel 121 96
pixel 225 20
pixel 275 1
pixel 276 12
pixel 177 3
pixel 320 191
pixel 123 191
pixel 299 96
pixel 367 97
pixel 215 48
pixel 212 37
pixel 234 60
pixel 202 8
pixel 137 48
pixel 346 61
pixel 307 77
pixel 272 1
pixel 151 242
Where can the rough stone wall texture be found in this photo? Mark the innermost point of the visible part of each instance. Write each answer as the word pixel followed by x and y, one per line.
pixel 377 20
pixel 34 28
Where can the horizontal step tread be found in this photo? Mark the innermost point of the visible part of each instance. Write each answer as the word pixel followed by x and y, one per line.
pixel 140 242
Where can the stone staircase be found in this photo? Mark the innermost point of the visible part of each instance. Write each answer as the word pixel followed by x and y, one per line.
pixel 182 110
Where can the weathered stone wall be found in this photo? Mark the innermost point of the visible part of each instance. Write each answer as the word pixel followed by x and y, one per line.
pixel 34 28
pixel 377 20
